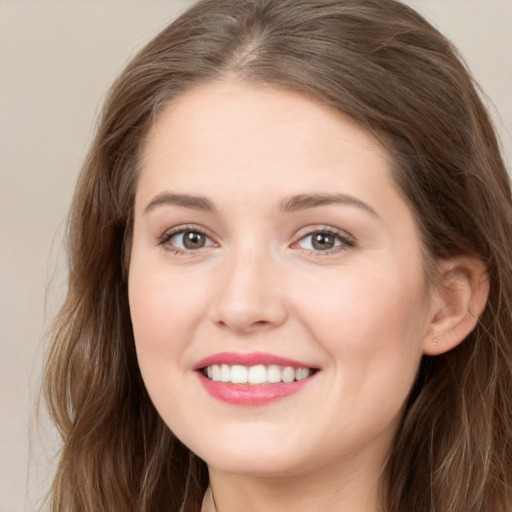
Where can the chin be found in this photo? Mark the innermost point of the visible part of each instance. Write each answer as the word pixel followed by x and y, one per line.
pixel 255 465
pixel 250 454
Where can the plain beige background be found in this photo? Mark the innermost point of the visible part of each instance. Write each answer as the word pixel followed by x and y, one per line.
pixel 57 58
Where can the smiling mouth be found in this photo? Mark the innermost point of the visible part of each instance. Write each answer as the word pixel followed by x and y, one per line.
pixel 255 375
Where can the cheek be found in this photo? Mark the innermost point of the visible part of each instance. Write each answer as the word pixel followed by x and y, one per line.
pixel 372 327
pixel 367 308
pixel 165 311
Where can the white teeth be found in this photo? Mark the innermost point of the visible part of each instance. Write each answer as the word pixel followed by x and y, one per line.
pixel 302 373
pixel 274 373
pixel 239 374
pixel 225 373
pixel 215 372
pixel 258 374
pixel 288 374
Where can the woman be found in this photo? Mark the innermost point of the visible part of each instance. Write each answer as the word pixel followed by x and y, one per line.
pixel 290 280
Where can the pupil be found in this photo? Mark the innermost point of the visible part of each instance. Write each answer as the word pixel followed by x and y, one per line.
pixel 193 240
pixel 323 241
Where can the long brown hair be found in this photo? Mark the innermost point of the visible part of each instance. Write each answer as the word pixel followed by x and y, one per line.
pixel 383 65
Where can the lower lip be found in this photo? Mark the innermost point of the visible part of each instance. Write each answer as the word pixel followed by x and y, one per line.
pixel 251 394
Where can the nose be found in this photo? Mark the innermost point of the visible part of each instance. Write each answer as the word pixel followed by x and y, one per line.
pixel 250 297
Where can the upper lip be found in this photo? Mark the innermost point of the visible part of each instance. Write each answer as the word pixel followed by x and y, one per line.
pixel 248 359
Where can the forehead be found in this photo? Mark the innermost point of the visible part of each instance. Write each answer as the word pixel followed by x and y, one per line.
pixel 212 105
pixel 233 130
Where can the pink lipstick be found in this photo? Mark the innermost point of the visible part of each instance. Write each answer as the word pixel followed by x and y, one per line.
pixel 252 379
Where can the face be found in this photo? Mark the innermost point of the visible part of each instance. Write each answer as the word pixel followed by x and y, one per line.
pixel 276 287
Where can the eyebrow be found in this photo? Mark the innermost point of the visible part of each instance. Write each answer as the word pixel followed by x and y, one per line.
pixel 184 200
pixel 294 203
pixel 305 201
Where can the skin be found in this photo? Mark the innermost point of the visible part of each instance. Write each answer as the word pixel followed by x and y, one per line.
pixel 361 313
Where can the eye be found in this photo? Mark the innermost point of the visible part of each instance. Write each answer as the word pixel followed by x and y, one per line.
pixel 189 240
pixel 184 239
pixel 325 240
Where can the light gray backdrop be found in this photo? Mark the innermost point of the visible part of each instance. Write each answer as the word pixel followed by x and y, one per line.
pixel 57 58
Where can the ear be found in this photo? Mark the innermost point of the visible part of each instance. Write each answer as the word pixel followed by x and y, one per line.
pixel 458 299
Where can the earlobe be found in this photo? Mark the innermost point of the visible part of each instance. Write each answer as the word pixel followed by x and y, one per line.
pixel 458 300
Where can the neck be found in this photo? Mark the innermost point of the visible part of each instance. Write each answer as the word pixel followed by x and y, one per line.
pixel 355 490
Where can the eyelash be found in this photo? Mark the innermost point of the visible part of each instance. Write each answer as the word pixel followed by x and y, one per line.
pixel 346 241
pixel 164 240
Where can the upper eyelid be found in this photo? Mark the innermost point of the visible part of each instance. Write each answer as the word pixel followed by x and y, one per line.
pixel 186 227
pixel 310 230
pixel 299 235
pixel 169 233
